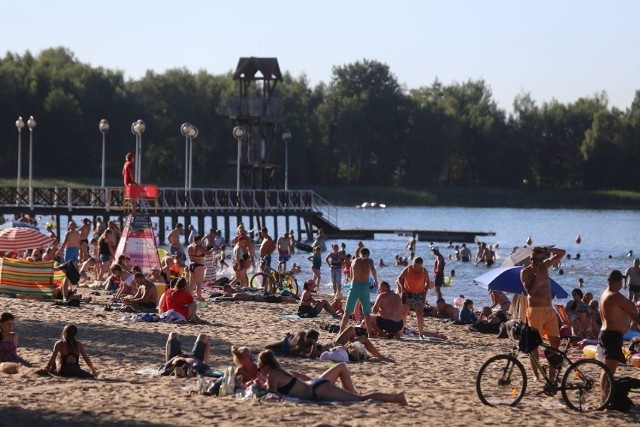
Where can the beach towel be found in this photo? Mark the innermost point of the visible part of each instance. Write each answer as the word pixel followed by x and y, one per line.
pixel 23 277
pixel 414 338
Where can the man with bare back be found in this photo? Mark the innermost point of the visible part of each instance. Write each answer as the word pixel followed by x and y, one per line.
pixel 616 313
pixel 71 244
pixel 361 268
pixel 540 314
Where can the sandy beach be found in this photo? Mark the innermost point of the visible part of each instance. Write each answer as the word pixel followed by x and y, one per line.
pixel 439 379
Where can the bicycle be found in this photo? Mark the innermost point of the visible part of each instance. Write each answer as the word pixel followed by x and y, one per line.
pixel 502 380
pixel 273 281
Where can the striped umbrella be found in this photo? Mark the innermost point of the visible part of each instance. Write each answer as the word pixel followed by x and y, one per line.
pixel 19 238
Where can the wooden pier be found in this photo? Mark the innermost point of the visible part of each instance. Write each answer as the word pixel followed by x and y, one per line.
pixel 303 211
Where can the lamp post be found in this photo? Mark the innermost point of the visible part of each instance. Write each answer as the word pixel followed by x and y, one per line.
pixel 137 128
pixel 103 127
pixel 239 134
pixel 31 123
pixel 189 132
pixel 20 126
pixel 286 137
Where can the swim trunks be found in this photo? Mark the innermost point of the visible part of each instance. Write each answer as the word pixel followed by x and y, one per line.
pixel 71 254
pixel 284 256
pixel 439 280
pixel 611 342
pixel 389 325
pixel 634 288
pixel 359 291
pixel 465 259
pixel 413 300
pixel 545 320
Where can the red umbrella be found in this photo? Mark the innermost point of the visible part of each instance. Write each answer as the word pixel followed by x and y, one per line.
pixel 19 238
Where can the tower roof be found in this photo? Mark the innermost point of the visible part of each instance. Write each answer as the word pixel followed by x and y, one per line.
pixel 248 67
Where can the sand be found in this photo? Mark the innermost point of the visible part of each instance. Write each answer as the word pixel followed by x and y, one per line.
pixel 438 379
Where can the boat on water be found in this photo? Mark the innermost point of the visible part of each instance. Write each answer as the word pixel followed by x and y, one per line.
pixel 371 205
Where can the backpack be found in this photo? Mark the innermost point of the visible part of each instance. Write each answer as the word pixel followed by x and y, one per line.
pixel 620 396
pixel 528 338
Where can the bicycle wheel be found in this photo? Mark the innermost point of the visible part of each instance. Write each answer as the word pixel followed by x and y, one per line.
pixel 289 283
pixel 262 281
pixel 501 381
pixel 582 388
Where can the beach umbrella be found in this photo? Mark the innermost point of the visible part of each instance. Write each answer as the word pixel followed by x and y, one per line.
pixel 19 238
pixel 14 223
pixel 507 279
pixel 520 256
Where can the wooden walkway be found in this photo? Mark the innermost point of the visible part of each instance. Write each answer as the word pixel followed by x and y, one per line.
pixel 308 210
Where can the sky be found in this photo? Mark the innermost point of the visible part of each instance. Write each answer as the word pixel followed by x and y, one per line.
pixel 561 49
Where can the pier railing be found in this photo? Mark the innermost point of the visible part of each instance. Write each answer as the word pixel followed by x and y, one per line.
pixel 170 200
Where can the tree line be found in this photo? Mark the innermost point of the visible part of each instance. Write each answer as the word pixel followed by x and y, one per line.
pixel 362 128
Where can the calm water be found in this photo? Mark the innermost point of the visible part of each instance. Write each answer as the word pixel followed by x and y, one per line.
pixel 604 233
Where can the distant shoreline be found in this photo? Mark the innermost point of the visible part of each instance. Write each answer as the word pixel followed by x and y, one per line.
pixel 482 198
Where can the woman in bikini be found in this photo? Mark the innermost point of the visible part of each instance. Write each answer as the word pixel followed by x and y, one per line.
pixel 196 252
pixel 310 307
pixel 300 344
pixel 65 360
pixel 247 371
pixel 318 389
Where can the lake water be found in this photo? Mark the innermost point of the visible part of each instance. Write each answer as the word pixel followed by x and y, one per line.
pixel 607 237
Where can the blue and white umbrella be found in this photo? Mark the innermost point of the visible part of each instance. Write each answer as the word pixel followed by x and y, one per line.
pixel 507 279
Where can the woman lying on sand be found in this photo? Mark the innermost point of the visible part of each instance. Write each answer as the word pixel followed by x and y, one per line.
pixel 198 359
pixel 247 371
pixel 300 344
pixel 319 389
pixel 65 359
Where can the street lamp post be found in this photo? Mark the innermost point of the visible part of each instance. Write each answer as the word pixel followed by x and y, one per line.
pixel 137 128
pixel 239 134
pixel 20 126
pixel 103 126
pixel 190 132
pixel 286 137
pixel 31 123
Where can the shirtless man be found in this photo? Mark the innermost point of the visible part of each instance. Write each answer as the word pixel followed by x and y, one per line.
pixel 465 253
pixel 84 231
pixel 446 311
pixel 335 260
pixel 71 244
pixel 616 312
pixel 361 269
pixel 196 253
pixel 146 298
pixel 267 247
pixel 389 310
pixel 284 248
pixel 411 246
pixel 540 314
pixel 99 228
pixel 633 280
pixel 174 239
pixel 438 271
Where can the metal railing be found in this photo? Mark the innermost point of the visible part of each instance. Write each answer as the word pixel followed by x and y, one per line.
pixel 173 200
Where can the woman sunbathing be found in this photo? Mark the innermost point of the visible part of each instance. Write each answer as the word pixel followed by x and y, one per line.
pixel 318 389
pixel 300 344
pixel 310 307
pixel 248 373
pixel 65 359
pixel 198 359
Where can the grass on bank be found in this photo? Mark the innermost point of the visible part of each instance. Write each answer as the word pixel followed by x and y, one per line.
pixel 436 196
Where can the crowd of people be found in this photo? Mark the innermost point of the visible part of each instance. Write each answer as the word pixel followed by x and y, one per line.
pixel 184 272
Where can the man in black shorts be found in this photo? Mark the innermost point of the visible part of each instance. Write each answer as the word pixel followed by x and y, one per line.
pixel 438 271
pixel 616 312
pixel 387 312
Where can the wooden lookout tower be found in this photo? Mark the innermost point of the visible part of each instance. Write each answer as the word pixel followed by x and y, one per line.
pixel 259 113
